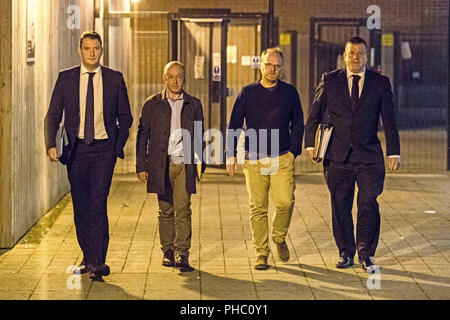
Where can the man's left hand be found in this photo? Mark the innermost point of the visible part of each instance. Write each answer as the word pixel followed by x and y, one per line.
pixel 393 163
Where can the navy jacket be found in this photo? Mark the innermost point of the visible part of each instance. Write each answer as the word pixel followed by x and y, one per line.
pixel 265 109
pixel 354 129
pixel 66 98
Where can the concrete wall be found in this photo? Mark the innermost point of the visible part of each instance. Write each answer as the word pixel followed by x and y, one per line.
pixel 30 184
pixel 5 122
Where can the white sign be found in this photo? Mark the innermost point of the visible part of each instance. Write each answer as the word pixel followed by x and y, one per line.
pixel 199 69
pixel 231 54
pixel 216 73
pixel 31 29
pixel 245 60
pixel 255 62
pixel 73 22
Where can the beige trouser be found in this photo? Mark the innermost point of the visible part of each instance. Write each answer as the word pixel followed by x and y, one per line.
pixel 174 218
pixel 276 175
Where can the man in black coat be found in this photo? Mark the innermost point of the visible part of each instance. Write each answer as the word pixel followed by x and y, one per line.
pixel 97 117
pixel 352 101
pixel 170 131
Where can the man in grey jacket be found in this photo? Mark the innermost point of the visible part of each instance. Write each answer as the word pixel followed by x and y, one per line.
pixel 166 141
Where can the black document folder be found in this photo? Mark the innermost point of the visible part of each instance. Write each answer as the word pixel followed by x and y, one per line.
pixel 61 141
pixel 322 139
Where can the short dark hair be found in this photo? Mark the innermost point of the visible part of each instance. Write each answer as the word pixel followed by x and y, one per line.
pixel 90 34
pixel 356 40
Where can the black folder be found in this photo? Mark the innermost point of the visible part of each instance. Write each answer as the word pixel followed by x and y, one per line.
pixel 61 141
pixel 322 139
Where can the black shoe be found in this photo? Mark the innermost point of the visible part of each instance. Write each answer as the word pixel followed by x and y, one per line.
pixel 261 263
pixel 345 262
pixel 98 270
pixel 83 267
pixel 182 262
pixel 168 259
pixel 95 278
pixel 369 265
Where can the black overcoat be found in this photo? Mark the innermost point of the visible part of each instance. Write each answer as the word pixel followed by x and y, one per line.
pixel 153 140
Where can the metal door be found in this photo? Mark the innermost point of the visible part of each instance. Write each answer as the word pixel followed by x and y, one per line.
pixel 217 51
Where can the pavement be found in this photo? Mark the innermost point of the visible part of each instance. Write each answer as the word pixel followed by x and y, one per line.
pixel 413 251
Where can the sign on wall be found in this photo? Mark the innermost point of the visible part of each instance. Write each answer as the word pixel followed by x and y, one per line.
pixel 255 62
pixel 31 29
pixel 199 67
pixel 216 72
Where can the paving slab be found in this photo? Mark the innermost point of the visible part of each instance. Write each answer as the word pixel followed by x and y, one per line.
pixel 413 251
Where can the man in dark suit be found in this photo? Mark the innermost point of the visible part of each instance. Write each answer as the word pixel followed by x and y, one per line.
pixel 352 100
pixel 170 131
pixel 97 117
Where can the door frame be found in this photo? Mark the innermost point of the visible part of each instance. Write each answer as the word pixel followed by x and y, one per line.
pixel 224 16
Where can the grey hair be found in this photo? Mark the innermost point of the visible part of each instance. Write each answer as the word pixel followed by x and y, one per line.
pixel 173 63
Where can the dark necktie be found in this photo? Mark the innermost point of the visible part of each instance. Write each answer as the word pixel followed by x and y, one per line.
pixel 354 97
pixel 89 114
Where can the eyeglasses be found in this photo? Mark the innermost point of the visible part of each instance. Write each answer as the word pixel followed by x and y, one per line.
pixel 271 66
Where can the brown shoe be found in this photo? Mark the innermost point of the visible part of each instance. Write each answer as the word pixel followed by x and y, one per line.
pixel 261 263
pixel 283 251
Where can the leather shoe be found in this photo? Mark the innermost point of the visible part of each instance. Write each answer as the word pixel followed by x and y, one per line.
pixel 95 278
pixel 97 271
pixel 369 265
pixel 261 263
pixel 182 262
pixel 345 262
pixel 283 251
pixel 82 268
pixel 168 259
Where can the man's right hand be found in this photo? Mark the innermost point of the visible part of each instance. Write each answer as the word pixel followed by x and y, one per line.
pixel 311 155
pixel 232 165
pixel 143 176
pixel 52 154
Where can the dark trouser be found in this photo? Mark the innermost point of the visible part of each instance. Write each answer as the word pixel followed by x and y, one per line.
pixel 341 178
pixel 174 218
pixel 90 173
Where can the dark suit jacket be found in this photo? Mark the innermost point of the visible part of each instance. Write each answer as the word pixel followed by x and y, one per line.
pixel 153 140
pixel 66 98
pixel 355 129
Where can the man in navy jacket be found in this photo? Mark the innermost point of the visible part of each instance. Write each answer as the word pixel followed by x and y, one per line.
pixel 273 115
pixel 353 100
pixel 97 117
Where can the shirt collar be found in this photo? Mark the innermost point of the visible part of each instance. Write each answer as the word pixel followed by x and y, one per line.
pixel 83 70
pixel 361 74
pixel 166 96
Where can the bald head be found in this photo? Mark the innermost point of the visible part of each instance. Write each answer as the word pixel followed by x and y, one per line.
pixel 172 64
pixel 173 77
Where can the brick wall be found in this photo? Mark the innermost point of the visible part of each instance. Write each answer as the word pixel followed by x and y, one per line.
pixel 398 15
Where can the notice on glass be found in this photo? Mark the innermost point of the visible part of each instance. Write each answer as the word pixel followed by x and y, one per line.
pixel 231 54
pixel 199 67
pixel 246 60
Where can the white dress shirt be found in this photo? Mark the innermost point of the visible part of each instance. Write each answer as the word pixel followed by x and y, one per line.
pixel 175 141
pixel 360 82
pixel 99 124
